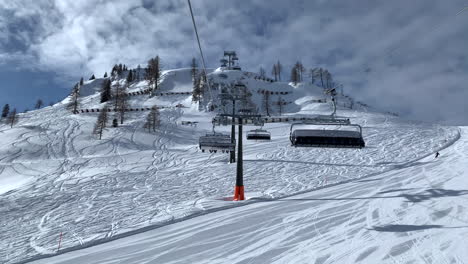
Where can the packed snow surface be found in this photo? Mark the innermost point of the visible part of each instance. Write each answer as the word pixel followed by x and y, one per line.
pixel 57 177
pixel 416 213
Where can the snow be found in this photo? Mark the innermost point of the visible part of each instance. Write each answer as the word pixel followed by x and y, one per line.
pixel 59 178
pixel 413 214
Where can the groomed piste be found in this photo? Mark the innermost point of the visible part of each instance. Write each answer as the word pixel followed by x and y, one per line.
pixel 56 177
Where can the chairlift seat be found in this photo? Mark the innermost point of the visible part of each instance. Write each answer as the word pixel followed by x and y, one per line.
pixel 332 138
pixel 216 142
pixel 327 138
pixel 258 134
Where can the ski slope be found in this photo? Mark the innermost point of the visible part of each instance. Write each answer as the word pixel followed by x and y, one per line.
pixel 57 177
pixel 413 214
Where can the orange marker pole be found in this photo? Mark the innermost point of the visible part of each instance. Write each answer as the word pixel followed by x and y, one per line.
pixel 239 189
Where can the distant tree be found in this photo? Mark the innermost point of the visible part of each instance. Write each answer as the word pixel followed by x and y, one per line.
pixel 328 79
pixel 312 75
pixel 280 104
pixel 194 69
pixel 138 71
pixel 279 68
pixel 152 120
pixel 274 71
pixel 300 70
pixel 92 77
pixel 266 103
pixel 120 101
pixel 115 70
pixel 105 91
pixel 262 72
pixel 320 73
pixel 197 90
pixel 13 117
pixel 105 75
pixel 75 95
pixel 196 81
pixel 39 104
pixel 82 81
pixel 130 77
pixel 101 122
pixel 5 111
pixel 153 73
pixel 294 75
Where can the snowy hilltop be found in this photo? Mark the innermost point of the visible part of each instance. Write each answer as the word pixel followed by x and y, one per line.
pixel 58 177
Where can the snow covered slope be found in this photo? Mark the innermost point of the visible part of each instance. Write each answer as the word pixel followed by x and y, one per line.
pixel 413 214
pixel 57 177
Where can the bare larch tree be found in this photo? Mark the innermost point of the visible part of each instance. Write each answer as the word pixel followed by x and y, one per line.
pixel 13 118
pixel 101 122
pixel 153 120
pixel 120 100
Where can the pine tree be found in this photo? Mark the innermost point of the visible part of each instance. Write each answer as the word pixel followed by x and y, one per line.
pixel 280 104
pixel 313 75
pixel 153 73
pixel 294 75
pixel 115 70
pixel 120 101
pixel 279 68
pixel 12 118
pixel 266 103
pixel 196 93
pixel 138 71
pixel 74 103
pixel 152 120
pixel 328 79
pixel 105 75
pixel 101 122
pixel 92 77
pixel 82 81
pixel 320 72
pixel 194 69
pixel 274 71
pixel 5 111
pixel 105 91
pixel 130 77
pixel 262 72
pixel 39 104
pixel 299 70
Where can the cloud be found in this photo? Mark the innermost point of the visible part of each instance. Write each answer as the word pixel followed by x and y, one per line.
pixel 414 52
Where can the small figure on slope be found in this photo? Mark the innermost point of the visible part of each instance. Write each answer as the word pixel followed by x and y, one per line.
pixel 437 154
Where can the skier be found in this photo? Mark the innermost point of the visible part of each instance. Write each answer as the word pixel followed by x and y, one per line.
pixel 437 154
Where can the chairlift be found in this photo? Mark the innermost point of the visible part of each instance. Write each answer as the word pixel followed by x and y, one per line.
pixel 214 142
pixel 326 138
pixel 258 134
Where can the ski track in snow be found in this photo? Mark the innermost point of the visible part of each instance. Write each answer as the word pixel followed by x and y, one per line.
pixel 91 190
pixel 413 214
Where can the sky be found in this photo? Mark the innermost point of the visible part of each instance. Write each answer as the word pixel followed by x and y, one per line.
pixel 408 57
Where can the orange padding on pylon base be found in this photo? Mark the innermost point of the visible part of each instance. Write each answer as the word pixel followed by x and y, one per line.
pixel 239 193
